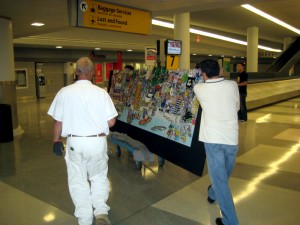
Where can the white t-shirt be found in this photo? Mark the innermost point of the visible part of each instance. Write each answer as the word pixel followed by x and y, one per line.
pixel 83 109
pixel 219 100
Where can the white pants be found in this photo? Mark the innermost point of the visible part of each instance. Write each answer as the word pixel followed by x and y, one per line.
pixel 86 159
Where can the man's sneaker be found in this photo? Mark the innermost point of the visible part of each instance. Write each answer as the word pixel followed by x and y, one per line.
pixel 219 221
pixel 102 219
pixel 210 200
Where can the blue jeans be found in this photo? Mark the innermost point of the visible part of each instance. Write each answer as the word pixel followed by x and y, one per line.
pixel 220 162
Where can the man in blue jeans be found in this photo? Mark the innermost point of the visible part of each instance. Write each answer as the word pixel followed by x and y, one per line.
pixel 219 100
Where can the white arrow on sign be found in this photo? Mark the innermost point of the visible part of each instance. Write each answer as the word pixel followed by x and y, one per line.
pixel 83 6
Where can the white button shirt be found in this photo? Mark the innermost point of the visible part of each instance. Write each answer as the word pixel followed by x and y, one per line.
pixel 219 100
pixel 83 109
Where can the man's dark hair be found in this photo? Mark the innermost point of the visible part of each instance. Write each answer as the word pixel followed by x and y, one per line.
pixel 210 67
pixel 129 67
pixel 241 63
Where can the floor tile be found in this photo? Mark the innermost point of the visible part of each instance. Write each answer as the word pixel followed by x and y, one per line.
pixel 255 203
pixel 23 209
pixel 290 135
pixel 273 157
pixel 269 117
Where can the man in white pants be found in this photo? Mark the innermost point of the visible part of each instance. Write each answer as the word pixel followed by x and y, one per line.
pixel 83 113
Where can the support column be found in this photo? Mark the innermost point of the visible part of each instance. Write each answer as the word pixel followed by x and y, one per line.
pixel 182 32
pixel 286 42
pixel 8 93
pixel 252 49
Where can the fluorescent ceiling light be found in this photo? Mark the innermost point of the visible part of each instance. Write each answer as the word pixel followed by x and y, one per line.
pixel 269 17
pixel 217 36
pixel 208 34
pixel 37 24
pixel 162 24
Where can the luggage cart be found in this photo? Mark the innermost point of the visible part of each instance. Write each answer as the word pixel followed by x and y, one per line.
pixel 123 144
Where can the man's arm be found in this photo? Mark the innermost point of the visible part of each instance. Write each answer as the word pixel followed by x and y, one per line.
pixel 111 122
pixel 243 83
pixel 57 128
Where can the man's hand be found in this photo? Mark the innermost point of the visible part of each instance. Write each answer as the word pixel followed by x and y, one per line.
pixel 58 148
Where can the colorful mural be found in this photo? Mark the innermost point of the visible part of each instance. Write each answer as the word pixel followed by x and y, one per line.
pixel 159 101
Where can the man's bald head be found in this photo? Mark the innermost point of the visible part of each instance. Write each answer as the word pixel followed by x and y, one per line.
pixel 84 68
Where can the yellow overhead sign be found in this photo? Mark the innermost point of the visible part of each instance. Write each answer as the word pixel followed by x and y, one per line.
pixel 99 15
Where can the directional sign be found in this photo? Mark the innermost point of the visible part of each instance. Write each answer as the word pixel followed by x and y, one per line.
pixel 83 6
pixel 100 15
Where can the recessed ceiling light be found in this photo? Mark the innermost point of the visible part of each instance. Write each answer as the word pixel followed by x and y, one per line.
pixel 209 55
pixel 194 54
pixel 97 48
pixel 59 47
pixel 36 24
pixel 129 50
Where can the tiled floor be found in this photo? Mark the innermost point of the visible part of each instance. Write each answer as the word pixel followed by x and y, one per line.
pixel 265 181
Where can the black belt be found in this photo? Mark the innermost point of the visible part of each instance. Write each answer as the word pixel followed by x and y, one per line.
pixel 96 135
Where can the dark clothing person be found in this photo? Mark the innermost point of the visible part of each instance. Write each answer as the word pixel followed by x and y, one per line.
pixel 111 73
pixel 242 80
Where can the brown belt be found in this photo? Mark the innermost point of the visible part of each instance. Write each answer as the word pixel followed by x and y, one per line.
pixel 96 135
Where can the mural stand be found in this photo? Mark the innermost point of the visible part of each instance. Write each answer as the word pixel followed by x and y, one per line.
pixel 159 109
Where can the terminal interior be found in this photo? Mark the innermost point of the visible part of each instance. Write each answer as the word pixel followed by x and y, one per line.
pixel 265 181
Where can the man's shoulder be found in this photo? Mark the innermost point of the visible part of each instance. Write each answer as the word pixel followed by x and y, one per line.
pixel 198 85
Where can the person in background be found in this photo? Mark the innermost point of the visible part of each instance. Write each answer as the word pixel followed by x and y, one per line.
pixel 242 80
pixel 83 113
pixel 111 73
pixel 129 68
pixel 219 100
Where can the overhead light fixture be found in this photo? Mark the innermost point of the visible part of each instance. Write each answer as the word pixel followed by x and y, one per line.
pixel 58 47
pixel 194 54
pixel 216 36
pixel 209 55
pixel 129 50
pixel 271 18
pixel 97 48
pixel 36 24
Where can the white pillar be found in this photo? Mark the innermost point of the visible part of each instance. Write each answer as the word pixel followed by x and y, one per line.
pixel 8 93
pixel 252 49
pixel 182 32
